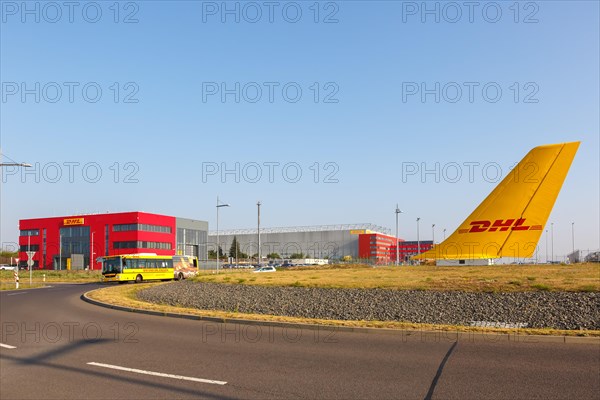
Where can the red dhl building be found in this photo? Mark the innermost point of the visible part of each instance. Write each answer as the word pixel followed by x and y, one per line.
pixel 54 240
pixel 382 248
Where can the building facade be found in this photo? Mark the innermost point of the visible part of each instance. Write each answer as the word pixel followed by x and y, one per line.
pixel 381 248
pixel 412 248
pixel 323 241
pixel 57 241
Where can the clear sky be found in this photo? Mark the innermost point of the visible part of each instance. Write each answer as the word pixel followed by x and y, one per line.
pixel 359 97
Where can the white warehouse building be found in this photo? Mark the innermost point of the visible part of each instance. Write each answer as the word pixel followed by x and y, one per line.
pixel 323 241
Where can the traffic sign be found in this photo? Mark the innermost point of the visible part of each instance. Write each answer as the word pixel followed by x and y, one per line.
pixel 30 255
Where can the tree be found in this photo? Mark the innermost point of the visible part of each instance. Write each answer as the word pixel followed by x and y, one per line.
pixel 235 245
pixel 234 250
pixel 297 255
pixel 212 255
pixel 273 256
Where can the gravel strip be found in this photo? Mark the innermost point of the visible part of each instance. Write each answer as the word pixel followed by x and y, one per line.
pixel 559 310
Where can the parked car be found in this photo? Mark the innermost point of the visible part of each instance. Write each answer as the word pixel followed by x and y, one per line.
pixel 265 269
pixel 6 267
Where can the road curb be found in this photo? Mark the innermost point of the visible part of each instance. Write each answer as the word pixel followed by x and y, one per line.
pixel 406 334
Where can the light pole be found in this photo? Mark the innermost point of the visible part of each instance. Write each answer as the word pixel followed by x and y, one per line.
pixel 92 263
pixel 418 241
pixel 444 233
pixel 15 165
pixel 546 246
pixel 433 234
pixel 552 239
pixel 59 250
pixel 573 236
pixel 28 253
pixel 219 206
pixel 397 244
pixel 12 164
pixel 258 230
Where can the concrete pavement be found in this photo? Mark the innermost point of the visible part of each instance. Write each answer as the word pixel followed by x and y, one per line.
pixel 66 348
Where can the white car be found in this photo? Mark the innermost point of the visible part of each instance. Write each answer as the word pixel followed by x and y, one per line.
pixel 265 269
pixel 6 267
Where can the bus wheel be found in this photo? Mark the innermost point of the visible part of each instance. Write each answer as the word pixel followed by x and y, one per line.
pixel 180 277
pixel 121 282
pixel 138 279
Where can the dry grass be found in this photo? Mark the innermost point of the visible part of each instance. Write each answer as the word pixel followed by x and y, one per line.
pixel 51 276
pixel 500 278
pixel 126 295
pixel 22 285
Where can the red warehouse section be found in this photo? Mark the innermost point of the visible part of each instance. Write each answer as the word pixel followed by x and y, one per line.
pixel 59 241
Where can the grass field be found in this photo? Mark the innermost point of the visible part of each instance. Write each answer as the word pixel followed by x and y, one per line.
pixel 22 285
pixel 498 278
pixel 6 277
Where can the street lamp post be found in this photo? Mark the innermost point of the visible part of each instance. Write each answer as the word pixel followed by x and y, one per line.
pixel 258 231
pixel 15 165
pixel 28 257
pixel 59 250
pixel 573 237
pixel 397 244
pixel 546 246
pixel 433 234
pixel 444 233
pixel 12 164
pixel 418 241
pixel 219 206
pixel 92 254
pixel 552 239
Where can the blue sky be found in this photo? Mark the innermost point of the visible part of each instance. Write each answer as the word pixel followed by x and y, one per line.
pixel 167 124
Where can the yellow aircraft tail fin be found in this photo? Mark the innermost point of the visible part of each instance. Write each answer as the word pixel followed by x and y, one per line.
pixel 510 221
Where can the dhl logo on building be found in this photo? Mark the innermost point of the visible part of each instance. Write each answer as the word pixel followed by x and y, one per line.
pixel 515 224
pixel 73 221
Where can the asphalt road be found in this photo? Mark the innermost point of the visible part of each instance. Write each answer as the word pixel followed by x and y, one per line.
pixel 55 346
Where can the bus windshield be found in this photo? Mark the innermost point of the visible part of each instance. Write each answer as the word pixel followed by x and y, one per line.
pixel 111 266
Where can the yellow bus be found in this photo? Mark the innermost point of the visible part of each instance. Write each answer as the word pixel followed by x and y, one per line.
pixel 185 267
pixel 137 268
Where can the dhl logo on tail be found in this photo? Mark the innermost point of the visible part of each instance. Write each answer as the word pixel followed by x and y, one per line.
pixel 487 233
pixel 515 224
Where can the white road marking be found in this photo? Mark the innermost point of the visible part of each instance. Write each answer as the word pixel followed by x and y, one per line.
pixel 141 371
pixel 16 294
pixel 7 346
